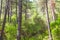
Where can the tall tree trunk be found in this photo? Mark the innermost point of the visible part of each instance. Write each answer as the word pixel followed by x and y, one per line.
pixel 16 11
pixel 52 2
pixel 4 21
pixel 48 22
pixel 26 11
pixel 19 19
pixel 8 9
pixel 0 11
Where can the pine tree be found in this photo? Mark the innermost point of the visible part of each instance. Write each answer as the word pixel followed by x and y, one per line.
pixel 19 19
pixel 4 21
pixel 0 11
pixel 48 22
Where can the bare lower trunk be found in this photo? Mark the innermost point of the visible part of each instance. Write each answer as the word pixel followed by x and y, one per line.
pixel 4 21
pixel 8 9
pixel 26 11
pixel 48 22
pixel 53 13
pixel 19 19
pixel 52 2
pixel 0 11
pixel 16 11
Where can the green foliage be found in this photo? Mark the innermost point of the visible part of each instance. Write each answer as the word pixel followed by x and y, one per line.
pixel 55 27
pixel 11 31
pixel 34 28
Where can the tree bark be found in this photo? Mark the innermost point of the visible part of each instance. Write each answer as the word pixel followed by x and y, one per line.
pixel 52 2
pixel 16 11
pixel 48 22
pixel 4 21
pixel 8 9
pixel 19 19
pixel 0 11
pixel 26 11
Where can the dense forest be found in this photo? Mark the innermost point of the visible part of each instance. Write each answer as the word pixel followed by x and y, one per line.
pixel 29 19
